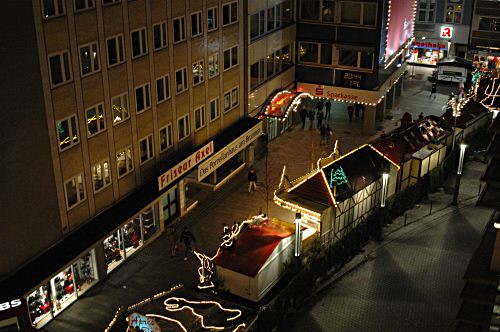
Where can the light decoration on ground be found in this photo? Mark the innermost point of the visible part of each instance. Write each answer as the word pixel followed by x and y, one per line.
pixel 173 304
pixel 395 56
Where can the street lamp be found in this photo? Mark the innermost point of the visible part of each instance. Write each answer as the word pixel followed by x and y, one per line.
pixel 459 173
pixel 385 179
pixel 298 235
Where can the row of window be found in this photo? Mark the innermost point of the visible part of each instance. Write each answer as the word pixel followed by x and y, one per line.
pixel 339 12
pixel 60 64
pixel 55 8
pixel 101 172
pixel 273 64
pixel 271 19
pixel 453 13
pixel 67 128
pixel 323 54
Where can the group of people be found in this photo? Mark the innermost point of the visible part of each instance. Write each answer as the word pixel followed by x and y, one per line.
pixel 186 238
pixel 318 114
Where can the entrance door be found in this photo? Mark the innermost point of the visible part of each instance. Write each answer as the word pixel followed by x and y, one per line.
pixel 272 128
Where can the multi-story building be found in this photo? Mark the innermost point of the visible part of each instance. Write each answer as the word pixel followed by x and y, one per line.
pixel 109 106
pixel 484 38
pixel 352 52
pixel 441 29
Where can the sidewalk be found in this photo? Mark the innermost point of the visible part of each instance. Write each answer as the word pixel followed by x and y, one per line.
pixel 152 270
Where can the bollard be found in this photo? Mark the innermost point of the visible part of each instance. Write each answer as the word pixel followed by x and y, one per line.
pixel 406 215
pixel 430 208
pixel 479 191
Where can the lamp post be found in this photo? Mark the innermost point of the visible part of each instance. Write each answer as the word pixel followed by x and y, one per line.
pixel 459 173
pixel 298 235
pixel 385 179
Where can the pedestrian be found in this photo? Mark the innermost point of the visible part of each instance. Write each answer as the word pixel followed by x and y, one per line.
pixel 329 133
pixel 172 240
pixel 322 133
pixel 311 118
pixel 383 135
pixel 357 109
pixel 433 90
pixel 421 116
pixel 319 117
pixel 252 180
pixel 350 112
pixel 319 106
pixel 328 108
pixel 303 116
pixel 186 238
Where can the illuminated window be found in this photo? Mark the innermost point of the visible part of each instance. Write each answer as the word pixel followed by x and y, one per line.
pixel 212 19
pixel 60 68
pixel 119 108
pixel 214 109
pixel 199 117
pixel 196 24
pixel 162 88
pixel 489 24
pixel 142 98
pixel 213 65
pixel 160 39
pixel 53 8
pixel 74 189
pixel 114 46
pixel 426 9
pixel 179 29
pixel 166 137
pixel 124 162
pixel 89 59
pixel 146 149
pixel 454 11
pixel 198 76
pixel 308 52
pixel 230 57
pixel 81 5
pixel 139 43
pixel 181 84
pixel 95 119
pixel 101 175
pixel 229 13
pixel 67 132
pixel 183 126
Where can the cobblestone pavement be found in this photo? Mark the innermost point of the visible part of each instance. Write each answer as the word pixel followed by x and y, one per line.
pixel 152 269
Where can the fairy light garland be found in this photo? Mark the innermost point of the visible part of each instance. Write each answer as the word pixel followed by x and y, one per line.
pixel 491 94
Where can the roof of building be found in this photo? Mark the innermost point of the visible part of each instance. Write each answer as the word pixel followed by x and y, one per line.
pixel 314 189
pixel 492 174
pixel 490 197
pixel 254 247
pixel 471 112
pixel 494 147
pixel 495 124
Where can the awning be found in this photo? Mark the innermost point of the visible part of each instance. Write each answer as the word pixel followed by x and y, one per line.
pixel 281 104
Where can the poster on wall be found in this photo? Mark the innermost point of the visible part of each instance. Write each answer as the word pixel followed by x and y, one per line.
pixel 400 25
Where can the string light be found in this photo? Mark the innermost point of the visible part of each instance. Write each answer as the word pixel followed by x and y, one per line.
pixel 407 44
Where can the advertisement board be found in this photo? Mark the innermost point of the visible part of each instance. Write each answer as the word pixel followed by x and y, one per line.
pixel 400 25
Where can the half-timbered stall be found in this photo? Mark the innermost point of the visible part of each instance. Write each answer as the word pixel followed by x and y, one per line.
pixel 467 116
pixel 418 148
pixel 340 193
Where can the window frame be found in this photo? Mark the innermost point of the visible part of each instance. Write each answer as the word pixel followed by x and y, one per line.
pixel 79 200
pixel 200 74
pixel 123 96
pixel 229 5
pixel 61 68
pixel 215 10
pixel 213 60
pixel 185 81
pixel 166 88
pixel 200 114
pixel 337 64
pixel 163 35
pixel 70 128
pixel 91 60
pixel 187 129
pixel 199 23
pixel 454 4
pixel 120 52
pixel 86 7
pixel 169 136
pixel 112 2
pixel 57 11
pixel 230 49
pixel 361 14
pixel 228 97
pixel 182 19
pixel 150 152
pixel 427 11
pixel 105 183
pixel 146 87
pixel 217 109
pixel 100 129
pixel 143 42
pixel 128 171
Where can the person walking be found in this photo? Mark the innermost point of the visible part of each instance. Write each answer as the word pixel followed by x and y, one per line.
pixel 350 112
pixel 319 106
pixel 433 90
pixel 311 118
pixel 187 238
pixel 172 240
pixel 303 116
pixel 322 133
pixel 252 180
pixel 319 117
pixel 328 108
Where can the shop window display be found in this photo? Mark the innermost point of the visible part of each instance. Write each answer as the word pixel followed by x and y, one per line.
pixel 132 235
pixel 85 272
pixel 113 253
pixel 39 305
pixel 63 290
pixel 150 223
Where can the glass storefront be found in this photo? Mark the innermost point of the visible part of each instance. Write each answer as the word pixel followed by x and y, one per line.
pixel 427 56
pixel 127 239
pixel 50 299
pixel 170 207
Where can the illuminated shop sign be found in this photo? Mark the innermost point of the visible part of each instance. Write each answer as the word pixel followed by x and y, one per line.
pixel 446 32
pixel 10 304
pixel 429 45
pixel 184 166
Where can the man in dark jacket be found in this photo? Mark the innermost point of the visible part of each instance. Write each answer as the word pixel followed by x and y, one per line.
pixel 303 116
pixel 186 238
pixel 252 180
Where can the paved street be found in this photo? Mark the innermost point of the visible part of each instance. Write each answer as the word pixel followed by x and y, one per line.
pixel 152 270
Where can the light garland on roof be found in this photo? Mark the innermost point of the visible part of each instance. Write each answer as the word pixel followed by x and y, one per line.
pixel 491 94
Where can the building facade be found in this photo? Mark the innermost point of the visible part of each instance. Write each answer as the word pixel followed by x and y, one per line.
pixel 113 105
pixel 441 29
pixel 484 38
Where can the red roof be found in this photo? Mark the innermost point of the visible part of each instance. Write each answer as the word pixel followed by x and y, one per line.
pixel 253 248
pixel 315 189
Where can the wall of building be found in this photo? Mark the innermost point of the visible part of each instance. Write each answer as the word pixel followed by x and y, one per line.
pixel 480 38
pixel 28 208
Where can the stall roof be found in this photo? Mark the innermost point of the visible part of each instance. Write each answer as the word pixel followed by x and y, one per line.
pixel 471 112
pixel 279 103
pixel 455 61
pixel 314 189
pixel 254 247
pixel 494 147
pixel 490 197
pixel 492 173
pixel 495 125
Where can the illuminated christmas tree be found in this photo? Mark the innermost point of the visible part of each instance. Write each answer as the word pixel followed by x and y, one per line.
pixel 337 177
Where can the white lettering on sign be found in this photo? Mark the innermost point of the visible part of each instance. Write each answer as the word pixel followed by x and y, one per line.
pixel 184 166
pixel 209 166
pixel 8 305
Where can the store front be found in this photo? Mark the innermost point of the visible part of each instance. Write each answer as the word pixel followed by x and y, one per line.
pixel 428 52
pixel 50 298
pixel 277 113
